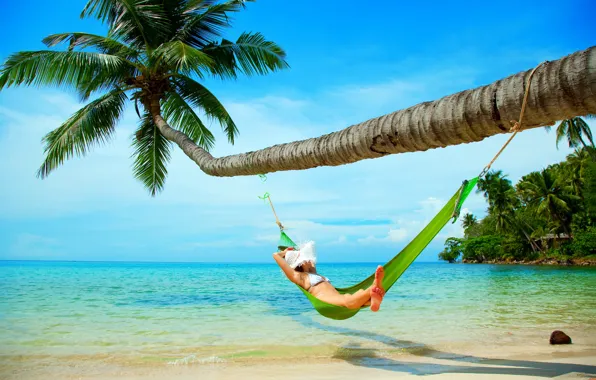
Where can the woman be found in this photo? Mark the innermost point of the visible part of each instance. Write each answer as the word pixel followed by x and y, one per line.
pixel 299 267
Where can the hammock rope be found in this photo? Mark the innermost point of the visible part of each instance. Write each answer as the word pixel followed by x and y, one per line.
pixel 395 267
pixel 517 124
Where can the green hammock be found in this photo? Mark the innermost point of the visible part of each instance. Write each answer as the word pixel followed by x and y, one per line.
pixel 396 266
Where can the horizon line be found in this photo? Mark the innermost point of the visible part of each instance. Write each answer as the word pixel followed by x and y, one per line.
pixel 190 262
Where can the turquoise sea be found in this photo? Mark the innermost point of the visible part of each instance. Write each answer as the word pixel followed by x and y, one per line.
pixel 188 312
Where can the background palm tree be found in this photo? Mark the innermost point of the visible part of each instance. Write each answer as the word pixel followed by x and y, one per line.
pixel 551 197
pixel 500 194
pixel 155 54
pixel 575 130
pixel 573 171
pixel 468 221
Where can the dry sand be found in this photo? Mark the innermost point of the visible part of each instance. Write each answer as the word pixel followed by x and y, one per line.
pixel 517 362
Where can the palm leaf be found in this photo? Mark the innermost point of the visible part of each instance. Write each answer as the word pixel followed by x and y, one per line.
pixel 205 21
pixel 183 58
pixel 105 45
pixel 152 153
pixel 138 22
pixel 56 68
pixel 102 82
pixel 583 129
pixel 193 6
pixel 250 54
pixel 562 131
pixel 182 117
pixel 91 125
pixel 200 97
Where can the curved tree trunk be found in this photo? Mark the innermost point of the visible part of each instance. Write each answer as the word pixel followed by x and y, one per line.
pixel 559 90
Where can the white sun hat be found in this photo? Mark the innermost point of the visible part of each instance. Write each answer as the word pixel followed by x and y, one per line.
pixel 305 253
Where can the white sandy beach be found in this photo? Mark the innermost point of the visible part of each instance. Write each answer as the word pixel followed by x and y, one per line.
pixel 577 361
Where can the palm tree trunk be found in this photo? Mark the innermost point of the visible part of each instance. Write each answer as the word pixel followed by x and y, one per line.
pixel 559 89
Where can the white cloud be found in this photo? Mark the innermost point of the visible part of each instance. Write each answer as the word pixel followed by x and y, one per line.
pixel 398 234
pixel 407 189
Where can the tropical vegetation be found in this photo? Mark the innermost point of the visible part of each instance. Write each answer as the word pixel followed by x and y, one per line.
pixel 547 214
pixel 156 54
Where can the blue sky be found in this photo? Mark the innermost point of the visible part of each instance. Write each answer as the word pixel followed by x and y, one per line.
pixel 349 62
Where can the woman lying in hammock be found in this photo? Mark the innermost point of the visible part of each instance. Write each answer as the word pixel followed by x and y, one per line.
pixel 299 267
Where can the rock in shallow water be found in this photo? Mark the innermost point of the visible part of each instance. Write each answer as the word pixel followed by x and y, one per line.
pixel 559 337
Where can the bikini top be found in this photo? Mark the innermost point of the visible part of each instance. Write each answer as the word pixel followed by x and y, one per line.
pixel 316 279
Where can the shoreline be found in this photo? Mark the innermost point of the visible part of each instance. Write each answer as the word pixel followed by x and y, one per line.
pixel 546 262
pixel 522 361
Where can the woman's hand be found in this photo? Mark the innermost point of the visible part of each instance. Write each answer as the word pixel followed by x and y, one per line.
pixel 283 253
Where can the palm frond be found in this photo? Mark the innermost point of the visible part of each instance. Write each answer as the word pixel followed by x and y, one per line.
pixel 562 133
pixel 91 125
pixel 183 58
pixel 205 21
pixel 103 44
pixel 152 153
pixel 193 6
pixel 583 129
pixel 199 96
pixel 251 54
pixel 140 23
pixel 103 82
pixel 57 68
pixel 182 117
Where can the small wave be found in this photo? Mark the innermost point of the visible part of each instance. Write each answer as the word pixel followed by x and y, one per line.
pixel 193 359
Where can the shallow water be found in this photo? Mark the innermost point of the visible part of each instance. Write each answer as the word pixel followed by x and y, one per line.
pixel 176 313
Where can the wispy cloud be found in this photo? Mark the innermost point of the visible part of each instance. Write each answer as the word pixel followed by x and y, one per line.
pixel 377 203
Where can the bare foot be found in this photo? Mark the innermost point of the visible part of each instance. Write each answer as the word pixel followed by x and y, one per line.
pixel 377 292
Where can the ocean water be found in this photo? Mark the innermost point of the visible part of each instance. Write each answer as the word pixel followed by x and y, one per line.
pixel 178 313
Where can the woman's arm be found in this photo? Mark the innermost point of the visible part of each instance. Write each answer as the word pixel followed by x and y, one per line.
pixel 290 273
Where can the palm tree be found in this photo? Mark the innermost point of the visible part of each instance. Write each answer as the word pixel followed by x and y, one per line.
pixel 574 169
pixel 468 221
pixel 500 195
pixel 551 197
pixel 574 130
pixel 140 26
pixel 487 184
pixel 155 54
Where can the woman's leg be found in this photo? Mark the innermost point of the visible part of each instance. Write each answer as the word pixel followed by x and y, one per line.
pixel 351 301
pixel 357 300
pixel 372 296
pixel 377 292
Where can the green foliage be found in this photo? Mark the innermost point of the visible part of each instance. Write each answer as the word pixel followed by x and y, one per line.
pixel 575 131
pixel 152 152
pixel 584 242
pixel 483 248
pixel 453 250
pixel 589 190
pixel 152 53
pixel 547 214
pixel 92 125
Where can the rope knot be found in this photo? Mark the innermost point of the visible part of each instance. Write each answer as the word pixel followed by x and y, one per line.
pixel 516 126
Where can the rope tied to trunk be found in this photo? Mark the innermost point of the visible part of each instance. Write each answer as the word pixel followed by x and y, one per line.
pixel 517 124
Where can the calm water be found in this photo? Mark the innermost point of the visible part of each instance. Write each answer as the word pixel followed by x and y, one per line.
pixel 177 312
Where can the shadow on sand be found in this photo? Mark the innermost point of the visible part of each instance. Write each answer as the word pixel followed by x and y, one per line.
pixel 371 358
